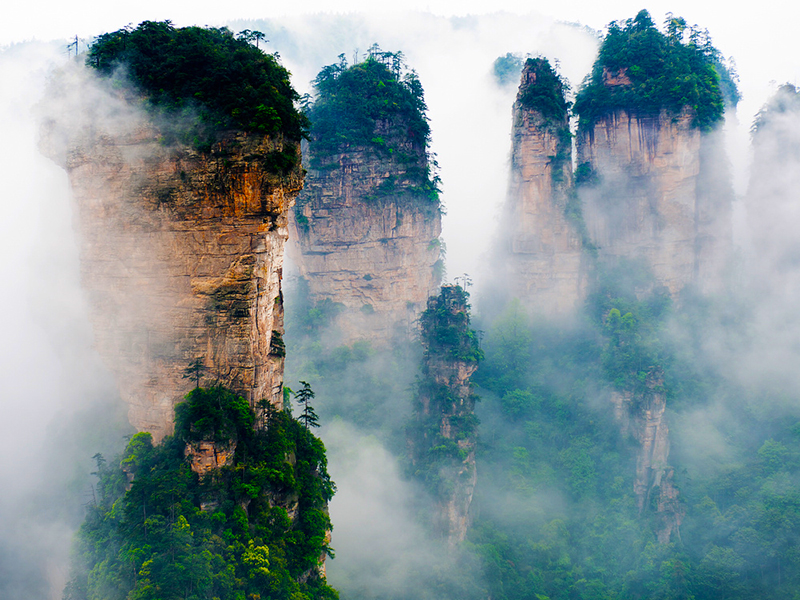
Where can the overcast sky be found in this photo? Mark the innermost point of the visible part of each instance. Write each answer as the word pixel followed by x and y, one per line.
pixel 763 39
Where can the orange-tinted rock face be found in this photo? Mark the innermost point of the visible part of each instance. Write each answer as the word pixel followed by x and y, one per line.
pixel 206 456
pixel 366 242
pixel 181 258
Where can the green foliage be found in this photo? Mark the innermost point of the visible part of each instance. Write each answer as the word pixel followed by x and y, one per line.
pixel 568 525
pixel 785 101
pixel 304 396
pixel 225 536
pixel 657 71
pixel 277 347
pixel 376 105
pixel 213 414
pixel 230 83
pixel 506 69
pixel 195 371
pixel 445 326
pixel 546 93
pixel 746 522
pixel 352 100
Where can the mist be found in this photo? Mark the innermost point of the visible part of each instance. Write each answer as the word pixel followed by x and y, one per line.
pixel 58 394
pixel 60 406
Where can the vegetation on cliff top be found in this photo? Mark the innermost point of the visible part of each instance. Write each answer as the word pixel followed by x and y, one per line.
pixel 642 70
pixel 442 432
pixel 227 535
pixel 377 104
pixel 445 326
pixel 546 93
pixel 230 82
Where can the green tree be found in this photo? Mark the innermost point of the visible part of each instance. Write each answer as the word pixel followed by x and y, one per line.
pixel 229 82
pixel 304 396
pixel 655 71
pixel 194 371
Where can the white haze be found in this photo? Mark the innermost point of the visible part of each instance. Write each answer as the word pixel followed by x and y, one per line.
pixel 52 380
pixel 55 391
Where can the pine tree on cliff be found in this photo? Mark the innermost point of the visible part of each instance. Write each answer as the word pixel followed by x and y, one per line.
pixel 304 396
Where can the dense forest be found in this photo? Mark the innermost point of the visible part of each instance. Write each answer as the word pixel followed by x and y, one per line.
pixel 654 71
pixel 376 105
pixel 558 516
pixel 203 80
pixel 255 527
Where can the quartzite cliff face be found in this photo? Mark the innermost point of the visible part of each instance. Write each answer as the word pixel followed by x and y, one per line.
pixel 365 240
pixel 649 189
pixel 652 201
pixel 546 263
pixel 181 257
pixel 442 437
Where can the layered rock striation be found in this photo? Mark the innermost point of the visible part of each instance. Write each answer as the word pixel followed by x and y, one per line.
pixel 442 438
pixel 367 242
pixel 653 197
pixel 368 222
pixel 181 255
pixel 641 416
pixel 546 264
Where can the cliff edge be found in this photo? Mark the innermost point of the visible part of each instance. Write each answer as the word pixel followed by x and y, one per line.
pixel 181 242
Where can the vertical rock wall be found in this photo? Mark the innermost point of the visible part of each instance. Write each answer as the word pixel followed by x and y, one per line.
pixel 641 416
pixel 366 240
pixel 181 257
pixel 545 259
pixel 661 196
pixel 644 207
pixel 443 438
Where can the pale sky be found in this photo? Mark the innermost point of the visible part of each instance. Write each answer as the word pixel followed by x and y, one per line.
pixel 763 39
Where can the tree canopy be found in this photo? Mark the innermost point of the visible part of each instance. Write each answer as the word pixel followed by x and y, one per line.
pixel 642 70
pixel 255 528
pixel 229 81
pixel 546 93
pixel 351 100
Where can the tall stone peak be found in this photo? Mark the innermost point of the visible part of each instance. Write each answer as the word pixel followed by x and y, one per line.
pixel 650 193
pixel 181 248
pixel 443 436
pixel 545 265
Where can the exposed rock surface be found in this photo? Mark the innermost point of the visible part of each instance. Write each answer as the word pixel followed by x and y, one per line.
pixel 641 416
pixel 645 205
pixel 662 196
pixel 181 255
pixel 650 189
pixel 443 439
pixel 546 262
pixel 205 456
pixel 366 239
